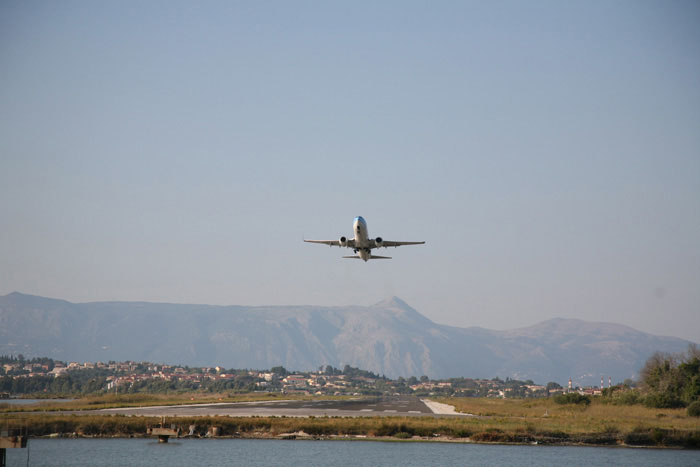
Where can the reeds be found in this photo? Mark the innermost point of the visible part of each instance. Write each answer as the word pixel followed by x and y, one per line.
pixel 495 420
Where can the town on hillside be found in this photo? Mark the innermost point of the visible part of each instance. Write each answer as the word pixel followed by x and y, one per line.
pixel 19 376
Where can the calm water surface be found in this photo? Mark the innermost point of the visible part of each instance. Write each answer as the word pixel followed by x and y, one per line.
pixel 235 452
pixel 30 401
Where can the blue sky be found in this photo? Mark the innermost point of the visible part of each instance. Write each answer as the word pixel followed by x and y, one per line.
pixel 547 152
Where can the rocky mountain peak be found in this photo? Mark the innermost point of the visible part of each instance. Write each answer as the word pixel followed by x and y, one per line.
pixel 389 338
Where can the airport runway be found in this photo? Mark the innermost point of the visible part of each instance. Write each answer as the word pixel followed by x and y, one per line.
pixel 387 406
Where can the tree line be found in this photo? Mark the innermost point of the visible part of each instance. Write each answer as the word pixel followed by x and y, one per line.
pixel 672 380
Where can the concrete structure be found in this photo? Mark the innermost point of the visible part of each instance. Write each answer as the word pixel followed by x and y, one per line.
pixel 10 441
pixel 162 432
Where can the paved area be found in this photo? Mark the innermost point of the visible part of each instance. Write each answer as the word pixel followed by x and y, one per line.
pixel 385 406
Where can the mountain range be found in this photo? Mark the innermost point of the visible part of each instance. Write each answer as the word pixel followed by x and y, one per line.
pixel 389 338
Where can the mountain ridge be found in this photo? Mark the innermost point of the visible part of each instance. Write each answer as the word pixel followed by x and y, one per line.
pixel 389 337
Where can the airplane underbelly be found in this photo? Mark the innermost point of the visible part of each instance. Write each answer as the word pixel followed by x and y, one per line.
pixel 361 240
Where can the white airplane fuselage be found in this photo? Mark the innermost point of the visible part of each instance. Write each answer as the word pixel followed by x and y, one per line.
pixel 359 228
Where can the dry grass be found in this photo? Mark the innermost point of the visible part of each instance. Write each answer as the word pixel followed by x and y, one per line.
pixel 601 422
pixel 497 420
pixel 108 401
pixel 598 417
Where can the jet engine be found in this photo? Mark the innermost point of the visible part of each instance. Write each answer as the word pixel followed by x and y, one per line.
pixel 378 241
pixel 343 241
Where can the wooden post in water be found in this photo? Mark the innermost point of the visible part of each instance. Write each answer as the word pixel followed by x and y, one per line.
pixel 10 442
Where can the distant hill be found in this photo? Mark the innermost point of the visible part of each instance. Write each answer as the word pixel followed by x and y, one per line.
pixel 388 338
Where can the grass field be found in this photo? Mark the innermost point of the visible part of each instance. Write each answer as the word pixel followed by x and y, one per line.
pixel 599 416
pixel 497 420
pixel 108 401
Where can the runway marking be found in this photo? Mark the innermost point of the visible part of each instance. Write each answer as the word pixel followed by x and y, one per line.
pixel 366 410
pixel 390 411
pixel 445 409
pixel 414 411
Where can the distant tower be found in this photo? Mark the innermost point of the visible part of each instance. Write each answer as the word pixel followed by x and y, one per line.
pixel 571 386
pixel 601 383
pixel 609 381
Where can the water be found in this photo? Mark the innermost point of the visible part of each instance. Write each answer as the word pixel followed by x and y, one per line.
pixel 271 453
pixel 30 401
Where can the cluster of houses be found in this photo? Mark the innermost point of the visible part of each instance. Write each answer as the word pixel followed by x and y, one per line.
pixel 320 383
pixel 126 374
pixel 167 373
pixel 30 370
pixel 57 368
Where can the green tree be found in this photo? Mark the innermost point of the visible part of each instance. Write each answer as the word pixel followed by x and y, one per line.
pixel 694 409
pixel 279 370
pixel 672 380
pixel 572 398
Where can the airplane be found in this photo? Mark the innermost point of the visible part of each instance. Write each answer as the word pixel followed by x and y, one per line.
pixel 362 244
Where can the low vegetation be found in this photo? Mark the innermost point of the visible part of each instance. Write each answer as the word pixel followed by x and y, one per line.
pixel 572 398
pixel 672 380
pixel 600 419
pixel 542 421
pixel 694 409
pixel 108 401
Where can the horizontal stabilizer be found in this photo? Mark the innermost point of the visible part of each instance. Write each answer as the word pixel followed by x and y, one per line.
pixel 371 257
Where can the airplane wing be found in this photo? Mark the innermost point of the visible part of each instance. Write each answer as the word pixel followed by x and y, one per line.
pixel 350 243
pixel 387 243
pixel 325 242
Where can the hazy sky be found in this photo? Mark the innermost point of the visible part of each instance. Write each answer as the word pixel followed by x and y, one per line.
pixel 547 152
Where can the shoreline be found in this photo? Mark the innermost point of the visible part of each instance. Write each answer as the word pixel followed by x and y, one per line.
pixel 381 429
pixel 360 438
pixel 392 419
